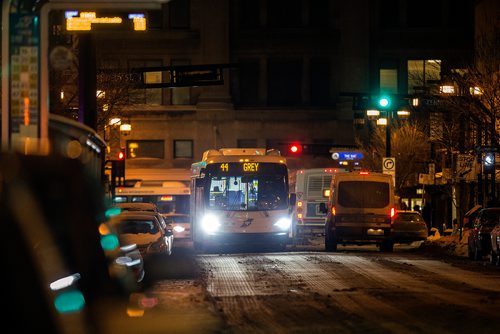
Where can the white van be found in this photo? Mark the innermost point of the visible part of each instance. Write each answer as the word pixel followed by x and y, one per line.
pixel 360 210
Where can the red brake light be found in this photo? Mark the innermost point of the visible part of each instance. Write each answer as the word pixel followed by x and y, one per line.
pixel 393 212
pixel 364 173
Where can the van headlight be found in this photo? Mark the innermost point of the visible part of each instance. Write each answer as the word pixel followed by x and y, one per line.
pixel 210 223
pixel 283 223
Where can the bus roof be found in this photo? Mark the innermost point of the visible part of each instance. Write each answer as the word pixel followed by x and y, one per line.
pixel 158 174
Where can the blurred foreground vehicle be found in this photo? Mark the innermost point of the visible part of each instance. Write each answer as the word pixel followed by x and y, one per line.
pixel 64 271
pixel 409 226
pixel 495 245
pixel 146 229
pixel 479 240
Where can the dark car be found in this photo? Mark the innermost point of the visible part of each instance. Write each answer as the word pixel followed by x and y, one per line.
pixel 409 226
pixel 479 240
pixel 495 245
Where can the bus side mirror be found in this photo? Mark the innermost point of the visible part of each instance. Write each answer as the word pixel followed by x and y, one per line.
pixel 293 199
pixel 322 207
pixel 199 183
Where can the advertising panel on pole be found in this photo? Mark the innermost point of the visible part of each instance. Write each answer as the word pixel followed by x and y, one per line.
pixel 24 54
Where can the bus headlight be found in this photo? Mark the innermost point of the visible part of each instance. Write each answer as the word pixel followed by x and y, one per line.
pixel 283 223
pixel 210 223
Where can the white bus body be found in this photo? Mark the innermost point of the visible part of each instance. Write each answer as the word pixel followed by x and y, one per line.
pixel 240 197
pixel 311 187
pixel 167 188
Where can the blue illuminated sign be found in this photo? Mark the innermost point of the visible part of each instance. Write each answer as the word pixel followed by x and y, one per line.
pixel 347 156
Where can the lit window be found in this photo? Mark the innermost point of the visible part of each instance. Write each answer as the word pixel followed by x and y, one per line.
pixel 423 74
pixel 476 91
pixel 447 89
pixel 382 121
pixel 389 80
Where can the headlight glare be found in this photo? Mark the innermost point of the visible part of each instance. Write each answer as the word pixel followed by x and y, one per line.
pixel 283 223
pixel 210 223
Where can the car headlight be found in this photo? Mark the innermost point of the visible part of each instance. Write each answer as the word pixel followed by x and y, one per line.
pixel 210 223
pixel 283 223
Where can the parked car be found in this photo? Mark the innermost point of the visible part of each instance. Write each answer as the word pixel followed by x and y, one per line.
pixel 146 229
pixel 495 245
pixel 479 239
pixel 181 225
pixel 409 226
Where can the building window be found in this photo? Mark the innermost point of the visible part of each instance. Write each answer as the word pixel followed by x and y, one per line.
pixel 320 82
pixel 319 13
pixel 247 143
pixel 151 96
pixel 180 95
pixel 423 75
pixel 179 14
pixel 247 92
pixel 284 82
pixel 249 13
pixel 284 13
pixel 424 13
pixel 183 149
pixel 389 14
pixel 145 149
pixel 388 80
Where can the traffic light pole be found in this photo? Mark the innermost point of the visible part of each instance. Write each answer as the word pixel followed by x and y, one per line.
pixel 388 134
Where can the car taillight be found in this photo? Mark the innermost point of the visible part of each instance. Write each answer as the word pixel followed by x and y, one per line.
pixel 333 211
pixel 393 213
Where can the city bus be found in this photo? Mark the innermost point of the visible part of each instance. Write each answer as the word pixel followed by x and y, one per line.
pixel 240 196
pixel 168 189
pixel 311 187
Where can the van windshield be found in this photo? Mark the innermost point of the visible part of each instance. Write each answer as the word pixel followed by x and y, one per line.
pixel 363 194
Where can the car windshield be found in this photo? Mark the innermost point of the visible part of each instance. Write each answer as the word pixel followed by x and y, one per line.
pixel 137 227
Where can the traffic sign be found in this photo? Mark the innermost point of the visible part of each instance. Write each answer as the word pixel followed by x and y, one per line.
pixel 389 167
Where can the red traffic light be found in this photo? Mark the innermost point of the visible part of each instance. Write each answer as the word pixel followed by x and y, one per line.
pixel 295 148
pixel 121 154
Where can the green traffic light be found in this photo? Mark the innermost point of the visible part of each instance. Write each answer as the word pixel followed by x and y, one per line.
pixel 384 102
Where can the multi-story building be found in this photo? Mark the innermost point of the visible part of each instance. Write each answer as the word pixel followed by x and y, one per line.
pixel 295 65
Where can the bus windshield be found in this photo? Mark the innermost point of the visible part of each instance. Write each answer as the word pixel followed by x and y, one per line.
pixel 247 193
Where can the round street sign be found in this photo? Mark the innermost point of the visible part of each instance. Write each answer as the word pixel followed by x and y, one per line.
pixel 389 163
